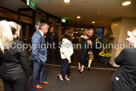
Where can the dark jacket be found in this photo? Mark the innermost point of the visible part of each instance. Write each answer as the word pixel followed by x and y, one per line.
pixel 93 39
pixel 52 37
pixel 125 75
pixel 14 63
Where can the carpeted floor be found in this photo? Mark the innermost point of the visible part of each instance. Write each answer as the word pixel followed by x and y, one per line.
pixel 94 80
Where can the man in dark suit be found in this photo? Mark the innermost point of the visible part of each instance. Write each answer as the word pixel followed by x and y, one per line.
pixel 52 40
pixel 39 56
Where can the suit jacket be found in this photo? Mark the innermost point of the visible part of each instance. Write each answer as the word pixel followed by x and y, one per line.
pixel 93 39
pixel 39 50
pixel 52 37
pixel 14 63
pixel 125 75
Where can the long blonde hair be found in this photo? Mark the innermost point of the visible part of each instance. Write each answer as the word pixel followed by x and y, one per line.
pixel 85 32
pixel 6 36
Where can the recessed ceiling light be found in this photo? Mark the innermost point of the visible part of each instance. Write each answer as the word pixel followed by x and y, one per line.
pixel 126 3
pixel 67 1
pixel 98 12
pixel 78 17
pixel 93 22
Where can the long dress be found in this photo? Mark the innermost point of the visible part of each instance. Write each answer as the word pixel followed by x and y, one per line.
pixel 84 48
pixel 83 52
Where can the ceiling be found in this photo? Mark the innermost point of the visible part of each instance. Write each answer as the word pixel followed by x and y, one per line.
pixel 101 11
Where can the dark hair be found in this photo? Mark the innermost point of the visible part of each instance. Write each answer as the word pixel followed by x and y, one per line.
pixel 68 34
pixel 13 30
pixel 50 28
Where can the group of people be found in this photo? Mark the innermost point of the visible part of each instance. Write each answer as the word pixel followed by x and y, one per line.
pixel 15 68
pixel 14 63
pixel 88 41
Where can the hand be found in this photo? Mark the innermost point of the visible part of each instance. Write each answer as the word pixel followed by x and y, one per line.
pixel 89 42
pixel 85 37
pixel 88 52
pixel 69 61
pixel 30 77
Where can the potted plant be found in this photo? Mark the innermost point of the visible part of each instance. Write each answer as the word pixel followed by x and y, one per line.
pixel 106 49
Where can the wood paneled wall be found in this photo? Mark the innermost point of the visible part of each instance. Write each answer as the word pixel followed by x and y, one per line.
pixel 11 15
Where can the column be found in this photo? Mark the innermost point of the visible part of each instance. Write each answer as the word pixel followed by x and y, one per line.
pixel 120 27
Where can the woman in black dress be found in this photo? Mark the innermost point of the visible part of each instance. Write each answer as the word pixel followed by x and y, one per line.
pixel 85 47
pixel 124 78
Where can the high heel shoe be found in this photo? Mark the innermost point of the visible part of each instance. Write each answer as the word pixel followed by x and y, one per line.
pixel 66 78
pixel 81 71
pixel 60 77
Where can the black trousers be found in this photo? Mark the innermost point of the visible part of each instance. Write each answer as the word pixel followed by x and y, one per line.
pixel 15 85
pixel 65 68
